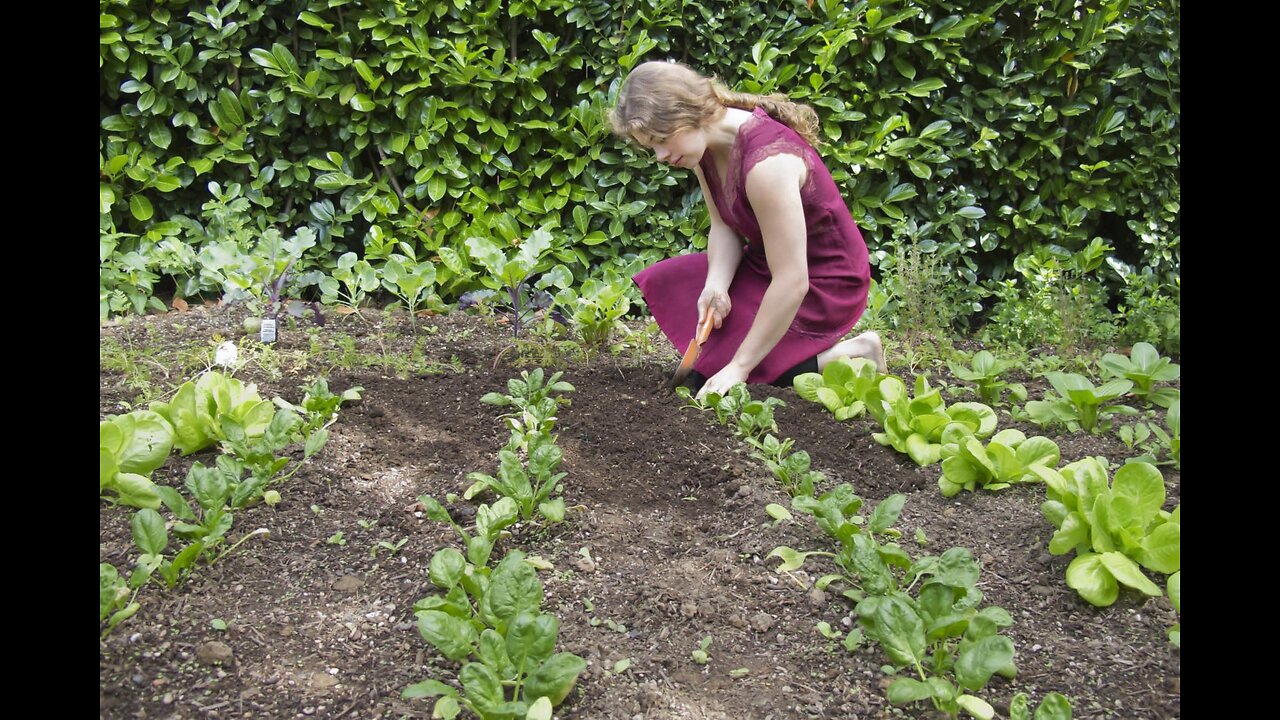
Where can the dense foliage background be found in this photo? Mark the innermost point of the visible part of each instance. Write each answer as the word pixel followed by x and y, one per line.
pixel 1012 161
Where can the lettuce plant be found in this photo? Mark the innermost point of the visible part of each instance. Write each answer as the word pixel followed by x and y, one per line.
pixel 115 599
pixel 202 410
pixel 130 448
pixel 843 387
pixel 1079 404
pixel 493 623
pixel 1174 587
pixel 1005 461
pixel 920 426
pixel 1144 368
pixel 1113 527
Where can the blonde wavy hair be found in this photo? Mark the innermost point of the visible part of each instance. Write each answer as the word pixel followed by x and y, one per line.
pixel 660 98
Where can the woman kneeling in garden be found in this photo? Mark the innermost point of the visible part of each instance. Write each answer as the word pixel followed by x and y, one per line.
pixel 800 281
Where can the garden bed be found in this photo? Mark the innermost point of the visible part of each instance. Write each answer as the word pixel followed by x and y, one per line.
pixel 665 543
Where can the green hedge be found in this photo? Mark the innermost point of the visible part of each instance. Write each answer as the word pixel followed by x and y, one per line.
pixel 976 132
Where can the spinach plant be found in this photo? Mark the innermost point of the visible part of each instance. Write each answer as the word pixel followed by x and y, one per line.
pixel 493 624
pixel 491 520
pixel 115 598
pixel 792 469
pixel 755 417
pixel 529 483
pixel 724 406
pixel 1054 706
pixel 952 647
pixel 531 388
pixel 152 538
pixel 867 566
pixel 1113 527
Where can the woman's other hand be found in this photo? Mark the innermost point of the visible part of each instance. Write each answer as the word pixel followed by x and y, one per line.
pixel 722 381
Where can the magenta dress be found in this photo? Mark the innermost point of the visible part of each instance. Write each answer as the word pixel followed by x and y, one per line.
pixel 839 272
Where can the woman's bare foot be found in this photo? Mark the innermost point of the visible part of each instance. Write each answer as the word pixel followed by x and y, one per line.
pixel 867 345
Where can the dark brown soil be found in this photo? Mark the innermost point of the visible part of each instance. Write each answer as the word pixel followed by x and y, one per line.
pixel 665 544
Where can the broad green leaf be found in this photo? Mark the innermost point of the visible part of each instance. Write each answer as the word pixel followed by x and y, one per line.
pixel 1095 583
pixel 905 690
pixel 541 708
pixel 1038 451
pixel 976 707
pixel 791 559
pixel 901 631
pixel 530 640
pixel 446 568
pixel 136 491
pixel 886 513
pixel 1127 572
pixel 555 677
pixel 492 651
pixel 140 206
pixel 1162 549
pixel 1175 590
pixel 1143 486
pixel 829 398
pixel 1073 534
pixel 922 88
pixel 428 688
pixel 980 661
pixel 482 686
pixel 452 636
pixel 149 533
pixel 980 417
pixel 514 588
pixel 106 198
pixel 1054 706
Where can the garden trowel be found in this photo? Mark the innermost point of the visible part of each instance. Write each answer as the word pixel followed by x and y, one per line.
pixel 691 354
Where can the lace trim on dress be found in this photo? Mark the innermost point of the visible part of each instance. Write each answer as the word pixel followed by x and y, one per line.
pixel 739 165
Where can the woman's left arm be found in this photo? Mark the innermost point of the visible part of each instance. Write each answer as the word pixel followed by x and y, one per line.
pixel 773 188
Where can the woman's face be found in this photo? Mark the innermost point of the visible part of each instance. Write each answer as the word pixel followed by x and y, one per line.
pixel 683 148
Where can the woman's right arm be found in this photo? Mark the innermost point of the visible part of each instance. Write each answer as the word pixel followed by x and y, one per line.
pixel 724 252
